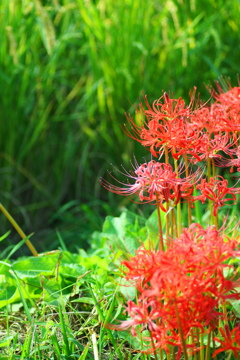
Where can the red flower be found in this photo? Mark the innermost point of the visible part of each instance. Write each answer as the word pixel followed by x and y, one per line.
pixel 168 109
pixel 229 103
pixel 183 285
pixel 230 98
pixel 167 125
pixel 210 147
pixel 156 181
pixel 142 316
pixel 217 191
pixel 230 341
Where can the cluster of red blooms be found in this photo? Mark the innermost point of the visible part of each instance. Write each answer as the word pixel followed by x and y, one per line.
pixel 203 134
pixel 180 291
pixel 199 133
pixel 183 291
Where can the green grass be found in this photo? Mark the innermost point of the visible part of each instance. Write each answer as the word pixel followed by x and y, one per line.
pixel 58 305
pixel 70 69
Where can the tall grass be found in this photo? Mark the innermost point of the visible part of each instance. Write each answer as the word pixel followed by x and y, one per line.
pixel 70 69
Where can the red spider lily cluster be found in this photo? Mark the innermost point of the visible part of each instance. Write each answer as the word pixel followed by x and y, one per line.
pixel 207 134
pixel 199 133
pixel 184 287
pixel 181 289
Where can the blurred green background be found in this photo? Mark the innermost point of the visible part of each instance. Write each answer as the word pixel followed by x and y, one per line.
pixel 69 71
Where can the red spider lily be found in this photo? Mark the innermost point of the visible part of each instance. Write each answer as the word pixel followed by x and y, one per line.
pixel 141 314
pixel 151 315
pixel 196 244
pixel 178 136
pixel 156 181
pixel 169 109
pixel 209 121
pixel 167 125
pixel 202 133
pixel 210 147
pixel 230 341
pixel 142 266
pixel 217 191
pixel 229 103
pixel 145 316
pixel 221 119
pixel 184 284
pixel 230 98
pixel 225 118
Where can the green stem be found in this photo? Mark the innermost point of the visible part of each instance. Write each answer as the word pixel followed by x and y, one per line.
pixel 201 347
pixel 207 356
pixel 197 207
pixel 174 223
pixel 189 205
pixel 153 346
pixel 161 245
pixel 215 221
pixel 225 318
pixel 169 356
pixel 213 168
pixel 19 230
pixel 179 213
pixel 197 356
pixel 209 169
pixel 213 341
pixel 167 225
pixel 181 333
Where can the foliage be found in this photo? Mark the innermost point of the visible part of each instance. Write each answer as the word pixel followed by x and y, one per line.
pixel 53 305
pixel 69 71
pixel 51 298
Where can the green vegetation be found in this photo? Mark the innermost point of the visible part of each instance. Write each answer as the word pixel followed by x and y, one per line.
pixel 55 306
pixel 69 70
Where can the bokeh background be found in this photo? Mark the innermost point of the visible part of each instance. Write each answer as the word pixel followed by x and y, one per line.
pixel 69 71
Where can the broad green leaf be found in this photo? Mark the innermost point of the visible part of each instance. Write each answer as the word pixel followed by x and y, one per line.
pixel 53 291
pixel 49 265
pixel 48 277
pixel 85 300
pixel 4 269
pixel 123 232
pixel 36 266
pixel 8 294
